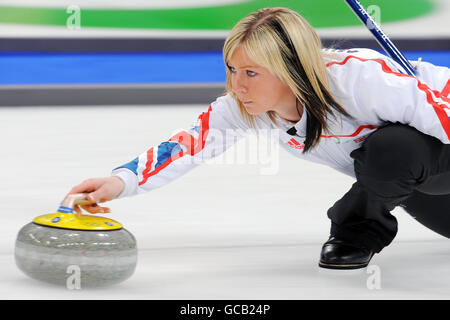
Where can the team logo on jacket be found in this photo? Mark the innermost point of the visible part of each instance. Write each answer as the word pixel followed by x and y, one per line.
pixel 295 144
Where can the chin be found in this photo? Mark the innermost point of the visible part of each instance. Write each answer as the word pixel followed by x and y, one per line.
pixel 253 111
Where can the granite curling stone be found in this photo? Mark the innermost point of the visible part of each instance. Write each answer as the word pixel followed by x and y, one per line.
pixel 76 251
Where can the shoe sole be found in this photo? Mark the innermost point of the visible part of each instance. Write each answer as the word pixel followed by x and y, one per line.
pixel 345 266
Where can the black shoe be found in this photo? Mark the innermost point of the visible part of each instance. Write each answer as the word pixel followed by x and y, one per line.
pixel 337 254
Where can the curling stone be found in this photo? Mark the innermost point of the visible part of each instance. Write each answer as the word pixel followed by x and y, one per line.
pixel 66 248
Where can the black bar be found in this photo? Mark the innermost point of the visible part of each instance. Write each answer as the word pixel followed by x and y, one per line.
pixel 235 309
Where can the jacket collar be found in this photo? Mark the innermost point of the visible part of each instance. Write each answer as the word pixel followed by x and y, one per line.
pixel 300 126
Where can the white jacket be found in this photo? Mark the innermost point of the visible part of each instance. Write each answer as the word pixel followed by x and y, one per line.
pixel 366 83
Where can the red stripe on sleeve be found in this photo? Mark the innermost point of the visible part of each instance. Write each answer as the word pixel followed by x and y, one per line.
pixel 185 139
pixel 438 108
pixel 446 90
pixel 354 134
pixel 193 145
pixel 148 165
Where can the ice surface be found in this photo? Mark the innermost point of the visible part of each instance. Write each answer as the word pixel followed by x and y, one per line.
pixel 222 231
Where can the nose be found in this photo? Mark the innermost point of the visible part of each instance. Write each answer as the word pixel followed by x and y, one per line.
pixel 238 83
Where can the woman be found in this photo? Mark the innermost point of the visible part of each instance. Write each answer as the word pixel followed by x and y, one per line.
pixel 349 109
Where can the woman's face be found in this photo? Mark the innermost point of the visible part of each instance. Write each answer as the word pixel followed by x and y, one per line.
pixel 258 89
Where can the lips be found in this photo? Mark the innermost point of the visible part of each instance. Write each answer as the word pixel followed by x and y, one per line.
pixel 243 100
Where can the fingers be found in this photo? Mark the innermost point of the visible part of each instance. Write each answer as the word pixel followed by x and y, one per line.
pixel 100 195
pixel 94 208
pixel 110 189
pixel 91 208
pixel 88 185
pixel 92 186
pixel 99 190
pixel 77 209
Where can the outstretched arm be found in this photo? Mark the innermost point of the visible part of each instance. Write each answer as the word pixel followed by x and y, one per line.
pixel 214 131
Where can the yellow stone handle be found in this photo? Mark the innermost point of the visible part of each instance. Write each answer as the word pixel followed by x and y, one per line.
pixel 66 218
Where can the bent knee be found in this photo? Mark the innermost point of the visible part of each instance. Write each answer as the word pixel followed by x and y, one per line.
pixel 391 152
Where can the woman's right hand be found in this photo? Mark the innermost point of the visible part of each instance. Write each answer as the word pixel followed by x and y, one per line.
pixel 100 190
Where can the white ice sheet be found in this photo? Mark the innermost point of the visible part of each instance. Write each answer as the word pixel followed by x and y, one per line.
pixel 220 232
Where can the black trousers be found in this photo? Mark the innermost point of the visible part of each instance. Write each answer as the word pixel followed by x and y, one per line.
pixel 396 166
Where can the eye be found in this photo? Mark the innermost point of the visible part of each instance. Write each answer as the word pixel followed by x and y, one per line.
pixel 249 72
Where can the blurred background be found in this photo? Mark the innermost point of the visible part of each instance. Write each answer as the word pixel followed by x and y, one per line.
pixel 69 52
pixel 86 86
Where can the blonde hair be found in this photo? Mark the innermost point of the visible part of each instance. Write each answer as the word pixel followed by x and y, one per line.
pixel 282 41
